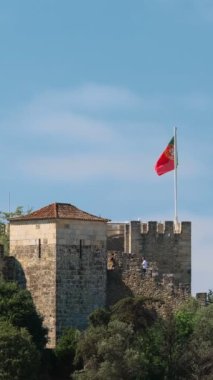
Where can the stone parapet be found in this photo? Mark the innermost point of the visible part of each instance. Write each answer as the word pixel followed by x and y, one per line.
pixel 168 244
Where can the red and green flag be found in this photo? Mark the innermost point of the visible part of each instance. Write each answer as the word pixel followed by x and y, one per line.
pixel 166 161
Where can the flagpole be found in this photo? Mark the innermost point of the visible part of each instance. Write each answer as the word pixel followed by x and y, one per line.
pixel 175 175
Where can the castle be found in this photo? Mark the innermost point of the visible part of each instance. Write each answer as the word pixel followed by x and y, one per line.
pixel 60 253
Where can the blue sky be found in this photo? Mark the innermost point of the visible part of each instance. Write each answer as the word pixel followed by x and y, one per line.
pixel 90 92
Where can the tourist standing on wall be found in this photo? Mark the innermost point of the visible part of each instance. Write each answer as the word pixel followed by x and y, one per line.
pixel 144 265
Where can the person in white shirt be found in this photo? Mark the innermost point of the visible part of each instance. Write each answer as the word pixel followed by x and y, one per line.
pixel 144 265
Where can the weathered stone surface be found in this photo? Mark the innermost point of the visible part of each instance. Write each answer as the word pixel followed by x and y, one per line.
pixel 64 265
pixel 170 249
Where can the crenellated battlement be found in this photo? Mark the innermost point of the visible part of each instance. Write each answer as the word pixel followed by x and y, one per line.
pixel 155 226
pixel 162 227
pixel 159 227
pixel 60 253
pixel 166 243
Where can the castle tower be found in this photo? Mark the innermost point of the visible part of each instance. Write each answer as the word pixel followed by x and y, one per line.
pixel 166 245
pixel 62 253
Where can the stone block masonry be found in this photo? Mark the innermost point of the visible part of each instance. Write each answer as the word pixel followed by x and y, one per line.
pixel 80 272
pixel 80 283
pixel 63 263
pixel 59 253
pixel 163 244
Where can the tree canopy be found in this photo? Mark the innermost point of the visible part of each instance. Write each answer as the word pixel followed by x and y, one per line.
pixel 19 358
pixel 133 342
pixel 16 306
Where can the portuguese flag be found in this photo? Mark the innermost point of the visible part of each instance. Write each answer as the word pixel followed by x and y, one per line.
pixel 166 161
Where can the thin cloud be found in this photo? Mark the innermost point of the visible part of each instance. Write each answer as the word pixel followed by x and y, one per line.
pixel 74 112
pixel 72 125
pixel 85 167
pixel 81 111
pixel 120 165
pixel 89 97
pixel 123 148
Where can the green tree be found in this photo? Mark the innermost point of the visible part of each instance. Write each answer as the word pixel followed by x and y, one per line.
pixel 149 343
pixel 65 352
pixel 149 349
pixel 204 323
pixel 108 353
pixel 6 215
pixel 19 358
pixel 140 345
pixel 16 306
pixel 180 345
pixel 176 329
pixel 134 311
pixel 99 317
pixel 201 345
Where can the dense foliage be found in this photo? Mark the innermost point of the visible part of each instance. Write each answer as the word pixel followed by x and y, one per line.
pixel 139 344
pixel 132 340
pixel 65 353
pixel 16 306
pixel 19 358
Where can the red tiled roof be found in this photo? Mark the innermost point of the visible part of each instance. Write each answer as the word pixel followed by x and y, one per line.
pixel 60 211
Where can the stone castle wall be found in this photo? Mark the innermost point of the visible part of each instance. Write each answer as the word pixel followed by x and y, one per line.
pixel 63 263
pixel 166 248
